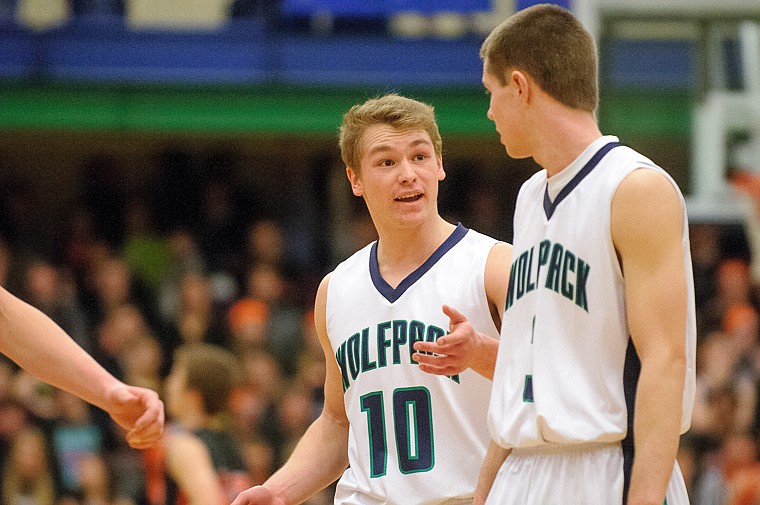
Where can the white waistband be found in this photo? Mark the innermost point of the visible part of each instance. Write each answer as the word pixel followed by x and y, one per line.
pixel 562 448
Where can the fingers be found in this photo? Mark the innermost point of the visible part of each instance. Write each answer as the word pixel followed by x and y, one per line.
pixel 455 317
pixel 438 365
pixel 256 494
pixel 448 344
pixel 148 428
pixel 145 436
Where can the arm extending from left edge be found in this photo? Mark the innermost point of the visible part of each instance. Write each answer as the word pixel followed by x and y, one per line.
pixel 41 347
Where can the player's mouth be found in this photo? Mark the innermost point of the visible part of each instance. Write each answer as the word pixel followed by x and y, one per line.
pixel 409 198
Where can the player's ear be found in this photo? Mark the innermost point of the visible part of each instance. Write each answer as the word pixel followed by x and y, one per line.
pixel 355 180
pixel 522 84
pixel 441 172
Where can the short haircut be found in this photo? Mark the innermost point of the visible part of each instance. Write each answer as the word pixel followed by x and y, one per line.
pixel 548 43
pixel 399 112
pixel 212 371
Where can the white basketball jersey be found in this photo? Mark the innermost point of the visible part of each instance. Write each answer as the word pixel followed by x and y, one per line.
pixel 414 437
pixel 565 371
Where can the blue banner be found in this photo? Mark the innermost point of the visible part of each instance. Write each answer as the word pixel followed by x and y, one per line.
pixel 381 8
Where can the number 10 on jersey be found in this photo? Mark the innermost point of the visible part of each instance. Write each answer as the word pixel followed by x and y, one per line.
pixel 412 427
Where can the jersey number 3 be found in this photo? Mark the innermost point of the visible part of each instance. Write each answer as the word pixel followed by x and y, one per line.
pixel 413 427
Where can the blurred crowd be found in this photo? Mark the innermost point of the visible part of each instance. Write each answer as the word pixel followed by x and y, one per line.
pixel 719 455
pixel 131 284
pixel 131 295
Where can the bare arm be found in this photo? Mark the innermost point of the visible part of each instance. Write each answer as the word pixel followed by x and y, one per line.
pixel 464 347
pixel 190 465
pixel 42 348
pixel 321 455
pixel 648 239
pixel 494 459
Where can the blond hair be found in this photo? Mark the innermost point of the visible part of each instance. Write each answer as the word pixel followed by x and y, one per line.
pixel 399 112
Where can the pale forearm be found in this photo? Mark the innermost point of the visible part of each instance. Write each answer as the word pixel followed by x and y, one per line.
pixel 41 347
pixel 494 459
pixel 318 460
pixel 656 430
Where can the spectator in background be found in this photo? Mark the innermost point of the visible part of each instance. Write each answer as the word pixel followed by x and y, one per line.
pixel 74 436
pixel 146 251
pixel 27 476
pixel 741 322
pixel 284 329
pixel 741 469
pixel 264 244
pixel 255 401
pixel 185 257
pixel 260 459
pixel 734 285
pixel 705 255
pixel 95 486
pixel 13 418
pixel 248 322
pixel 113 285
pixel 123 326
pixel 197 319
pixel 48 289
pixel 204 462
pixel 294 415
pixel 724 399
pixel 141 362
pixel 703 475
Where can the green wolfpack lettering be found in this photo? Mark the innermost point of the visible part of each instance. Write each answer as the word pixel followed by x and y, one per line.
pixel 392 343
pixel 552 267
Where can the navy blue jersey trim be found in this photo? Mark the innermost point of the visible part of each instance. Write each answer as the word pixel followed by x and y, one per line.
pixel 549 206
pixel 631 371
pixel 392 294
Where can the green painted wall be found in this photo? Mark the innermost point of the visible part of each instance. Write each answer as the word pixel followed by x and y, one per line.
pixel 293 110
pixel 225 109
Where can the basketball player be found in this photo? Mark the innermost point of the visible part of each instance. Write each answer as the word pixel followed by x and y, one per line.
pixel 596 362
pixel 391 432
pixel 42 348
pixel 202 462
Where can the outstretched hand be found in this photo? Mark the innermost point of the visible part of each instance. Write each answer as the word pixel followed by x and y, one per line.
pixel 139 411
pixel 453 353
pixel 258 495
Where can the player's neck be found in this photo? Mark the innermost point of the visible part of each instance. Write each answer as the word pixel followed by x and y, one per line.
pixel 401 252
pixel 569 133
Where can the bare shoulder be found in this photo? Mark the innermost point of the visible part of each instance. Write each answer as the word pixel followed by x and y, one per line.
pixel 182 446
pixel 646 186
pixel 499 259
pixel 646 209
